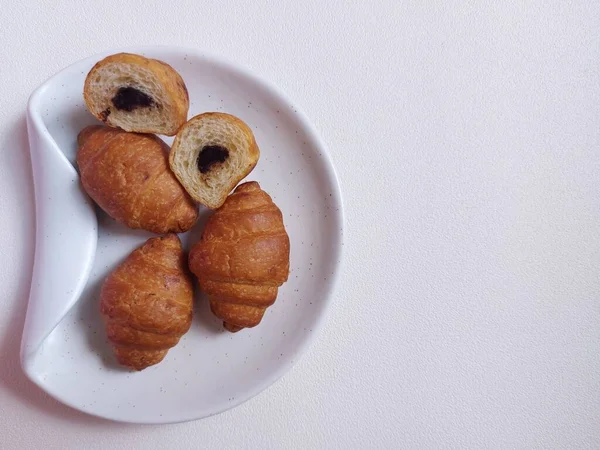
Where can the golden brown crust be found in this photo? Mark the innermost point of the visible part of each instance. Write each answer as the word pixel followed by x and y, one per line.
pixel 242 257
pixel 168 78
pixel 138 359
pixel 128 176
pixel 147 302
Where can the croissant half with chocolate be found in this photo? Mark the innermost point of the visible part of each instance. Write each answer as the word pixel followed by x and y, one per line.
pixel 242 257
pixel 128 176
pixel 147 302
pixel 136 93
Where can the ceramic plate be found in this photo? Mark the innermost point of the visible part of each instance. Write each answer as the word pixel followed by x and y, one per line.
pixel 64 349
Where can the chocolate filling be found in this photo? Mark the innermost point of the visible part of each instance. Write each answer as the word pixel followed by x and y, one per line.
pixel 129 98
pixel 211 155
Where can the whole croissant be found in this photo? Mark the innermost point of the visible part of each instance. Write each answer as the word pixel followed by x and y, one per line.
pixel 242 257
pixel 128 176
pixel 147 302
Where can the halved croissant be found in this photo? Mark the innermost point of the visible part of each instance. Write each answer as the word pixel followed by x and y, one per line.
pixel 242 257
pixel 128 176
pixel 137 94
pixel 147 302
pixel 211 154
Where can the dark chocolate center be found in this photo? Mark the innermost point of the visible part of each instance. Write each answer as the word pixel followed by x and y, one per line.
pixel 129 98
pixel 211 155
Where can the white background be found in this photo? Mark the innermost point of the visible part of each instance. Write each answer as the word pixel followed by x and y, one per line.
pixel 467 140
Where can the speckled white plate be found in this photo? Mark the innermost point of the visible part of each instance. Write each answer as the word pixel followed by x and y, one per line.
pixel 64 350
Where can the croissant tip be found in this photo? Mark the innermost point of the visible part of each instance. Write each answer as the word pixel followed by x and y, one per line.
pixel 171 237
pixel 232 328
pixel 248 186
pixel 86 133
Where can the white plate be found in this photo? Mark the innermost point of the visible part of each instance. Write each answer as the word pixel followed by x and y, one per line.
pixel 64 350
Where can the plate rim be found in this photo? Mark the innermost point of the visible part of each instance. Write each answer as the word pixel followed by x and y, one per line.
pixel 337 213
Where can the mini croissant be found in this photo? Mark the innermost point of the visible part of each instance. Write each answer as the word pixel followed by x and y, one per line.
pixel 128 176
pixel 242 257
pixel 147 302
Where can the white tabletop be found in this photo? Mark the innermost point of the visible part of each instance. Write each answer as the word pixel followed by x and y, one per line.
pixel 467 140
